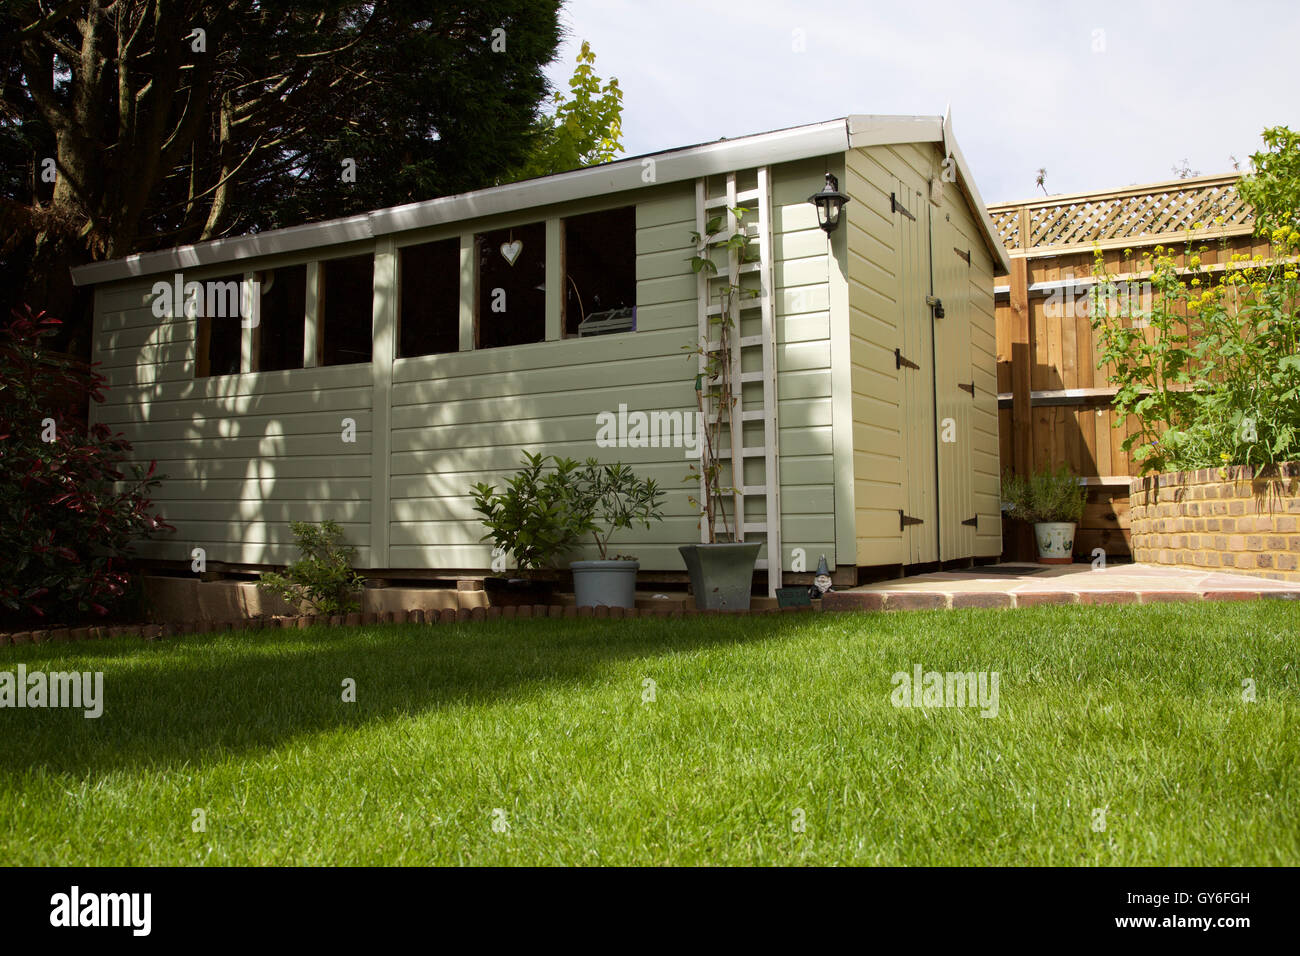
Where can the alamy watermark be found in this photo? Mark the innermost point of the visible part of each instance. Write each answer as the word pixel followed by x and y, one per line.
pixel 946 689
pixel 214 299
pixel 1084 299
pixel 80 690
pixel 655 429
pixel 75 908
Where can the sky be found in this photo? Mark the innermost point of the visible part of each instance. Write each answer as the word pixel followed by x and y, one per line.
pixel 1100 94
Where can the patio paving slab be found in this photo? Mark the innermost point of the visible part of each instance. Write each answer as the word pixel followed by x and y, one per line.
pixel 1059 584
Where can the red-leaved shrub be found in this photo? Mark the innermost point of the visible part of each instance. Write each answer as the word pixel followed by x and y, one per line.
pixel 68 515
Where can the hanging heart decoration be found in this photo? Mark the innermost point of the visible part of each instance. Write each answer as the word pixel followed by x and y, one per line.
pixel 510 250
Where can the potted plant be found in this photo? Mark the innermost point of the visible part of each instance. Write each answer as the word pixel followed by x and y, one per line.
pixel 535 519
pixel 721 571
pixel 610 498
pixel 1052 501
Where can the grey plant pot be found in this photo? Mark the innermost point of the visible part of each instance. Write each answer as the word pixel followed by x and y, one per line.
pixel 721 574
pixel 608 583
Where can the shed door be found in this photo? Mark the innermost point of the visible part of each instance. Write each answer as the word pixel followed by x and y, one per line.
pixel 953 387
pixel 916 384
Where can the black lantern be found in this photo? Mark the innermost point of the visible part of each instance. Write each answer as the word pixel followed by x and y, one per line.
pixel 829 202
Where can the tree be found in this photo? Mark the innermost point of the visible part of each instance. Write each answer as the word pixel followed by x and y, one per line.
pixel 169 121
pixel 584 129
pixel 1273 187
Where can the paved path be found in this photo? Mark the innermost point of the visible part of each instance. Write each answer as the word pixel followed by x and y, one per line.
pixel 1063 584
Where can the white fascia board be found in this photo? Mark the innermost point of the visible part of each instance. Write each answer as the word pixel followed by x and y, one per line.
pixel 273 242
pixel 1001 260
pixel 872 130
pixel 689 163
pixel 867 130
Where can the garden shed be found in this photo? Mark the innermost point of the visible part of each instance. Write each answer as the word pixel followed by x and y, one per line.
pixel 371 369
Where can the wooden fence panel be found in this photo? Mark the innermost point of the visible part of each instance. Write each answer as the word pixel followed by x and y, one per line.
pixel 1054 398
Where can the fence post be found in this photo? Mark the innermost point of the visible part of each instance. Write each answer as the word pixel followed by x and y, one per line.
pixel 1022 363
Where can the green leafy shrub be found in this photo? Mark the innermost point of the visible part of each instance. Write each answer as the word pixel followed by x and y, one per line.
pixel 1044 496
pixel 1211 370
pixel 537 517
pixel 323 577
pixel 612 498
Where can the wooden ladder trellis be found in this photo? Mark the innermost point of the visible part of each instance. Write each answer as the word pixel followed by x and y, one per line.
pixel 769 488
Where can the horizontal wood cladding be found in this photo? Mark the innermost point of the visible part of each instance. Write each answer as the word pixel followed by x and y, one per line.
pixel 246 454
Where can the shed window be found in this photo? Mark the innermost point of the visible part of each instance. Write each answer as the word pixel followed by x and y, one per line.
pixel 511 306
pixel 281 317
pixel 600 272
pixel 347 289
pixel 429 299
pixel 220 328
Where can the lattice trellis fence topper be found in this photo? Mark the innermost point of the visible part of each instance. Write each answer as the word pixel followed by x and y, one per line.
pixel 1208 202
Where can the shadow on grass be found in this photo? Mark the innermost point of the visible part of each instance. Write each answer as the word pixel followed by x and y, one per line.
pixel 188 701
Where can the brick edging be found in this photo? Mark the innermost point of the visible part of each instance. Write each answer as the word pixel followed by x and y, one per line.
pixel 956 600
pixel 432 616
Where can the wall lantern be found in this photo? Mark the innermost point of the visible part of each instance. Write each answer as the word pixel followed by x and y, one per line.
pixel 829 202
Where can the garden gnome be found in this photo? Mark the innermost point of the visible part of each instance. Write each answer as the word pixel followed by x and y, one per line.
pixel 821 581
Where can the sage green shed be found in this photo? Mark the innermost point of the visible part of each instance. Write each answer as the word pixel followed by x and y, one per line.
pixel 379 365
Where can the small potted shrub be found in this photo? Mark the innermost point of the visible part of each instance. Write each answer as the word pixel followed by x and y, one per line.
pixel 1052 501
pixel 611 498
pixel 536 519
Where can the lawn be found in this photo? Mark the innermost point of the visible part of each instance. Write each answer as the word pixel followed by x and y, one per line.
pixel 770 739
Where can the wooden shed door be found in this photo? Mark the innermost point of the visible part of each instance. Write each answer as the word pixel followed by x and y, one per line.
pixel 915 359
pixel 953 387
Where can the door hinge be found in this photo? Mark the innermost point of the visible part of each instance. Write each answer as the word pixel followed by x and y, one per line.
pixel 972 522
pixel 896 206
pixel 902 361
pixel 967 388
pixel 964 254
pixel 905 520
pixel 936 305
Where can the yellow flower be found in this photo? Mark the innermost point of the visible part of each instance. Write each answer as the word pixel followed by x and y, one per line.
pixel 1194 262
pixel 1225 456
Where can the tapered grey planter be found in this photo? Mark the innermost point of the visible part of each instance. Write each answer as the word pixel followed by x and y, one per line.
pixel 608 583
pixel 721 574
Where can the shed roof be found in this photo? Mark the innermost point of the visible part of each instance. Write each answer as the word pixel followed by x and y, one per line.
pixel 671 165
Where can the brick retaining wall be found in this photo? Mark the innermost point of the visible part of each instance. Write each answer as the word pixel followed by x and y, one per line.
pixel 1236 519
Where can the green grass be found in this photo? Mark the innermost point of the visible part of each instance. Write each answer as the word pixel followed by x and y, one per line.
pixel 1137 710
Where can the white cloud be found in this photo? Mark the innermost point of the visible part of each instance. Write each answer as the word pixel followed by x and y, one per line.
pixel 1193 80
